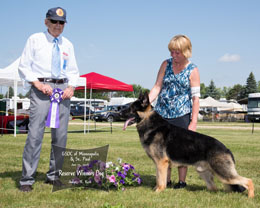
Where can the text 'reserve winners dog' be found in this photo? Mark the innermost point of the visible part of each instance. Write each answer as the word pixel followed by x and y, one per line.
pixel 165 143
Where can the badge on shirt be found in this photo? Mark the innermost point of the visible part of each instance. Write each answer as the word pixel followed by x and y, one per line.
pixel 65 58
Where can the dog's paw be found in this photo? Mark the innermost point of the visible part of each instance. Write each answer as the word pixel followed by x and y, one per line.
pixel 158 189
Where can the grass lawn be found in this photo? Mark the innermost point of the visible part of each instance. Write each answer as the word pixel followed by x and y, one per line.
pixel 125 144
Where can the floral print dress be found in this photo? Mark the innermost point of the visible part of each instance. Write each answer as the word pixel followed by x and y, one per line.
pixel 175 99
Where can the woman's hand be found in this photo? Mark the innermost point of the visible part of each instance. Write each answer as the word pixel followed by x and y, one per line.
pixel 192 126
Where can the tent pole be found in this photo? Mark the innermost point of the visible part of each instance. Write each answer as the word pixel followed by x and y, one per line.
pixel 15 106
pixel 89 108
pixel 6 109
pixel 85 96
pixel 93 117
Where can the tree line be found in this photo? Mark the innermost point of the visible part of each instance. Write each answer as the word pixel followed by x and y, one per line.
pixel 237 92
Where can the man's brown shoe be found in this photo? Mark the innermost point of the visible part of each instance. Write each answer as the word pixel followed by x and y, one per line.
pixel 26 188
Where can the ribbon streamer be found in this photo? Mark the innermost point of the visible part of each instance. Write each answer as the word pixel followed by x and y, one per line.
pixel 53 120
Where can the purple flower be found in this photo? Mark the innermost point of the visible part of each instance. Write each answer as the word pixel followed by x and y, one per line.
pixel 97 178
pixel 85 168
pixel 121 175
pixel 81 169
pixel 139 180
pixel 115 175
pixel 126 167
pixel 102 166
pixel 136 175
pixel 92 163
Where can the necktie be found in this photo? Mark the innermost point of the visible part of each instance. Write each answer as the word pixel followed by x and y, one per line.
pixel 55 64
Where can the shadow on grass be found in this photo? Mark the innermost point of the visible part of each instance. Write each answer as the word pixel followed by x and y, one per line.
pixel 150 181
pixel 16 176
pixel 195 187
pixel 41 177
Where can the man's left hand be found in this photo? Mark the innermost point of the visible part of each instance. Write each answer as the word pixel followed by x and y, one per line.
pixel 68 93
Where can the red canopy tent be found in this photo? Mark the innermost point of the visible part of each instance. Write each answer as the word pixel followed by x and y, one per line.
pixel 100 82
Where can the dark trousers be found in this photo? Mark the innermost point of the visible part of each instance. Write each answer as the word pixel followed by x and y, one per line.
pixel 182 121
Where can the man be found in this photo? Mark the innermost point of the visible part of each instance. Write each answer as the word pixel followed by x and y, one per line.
pixel 47 63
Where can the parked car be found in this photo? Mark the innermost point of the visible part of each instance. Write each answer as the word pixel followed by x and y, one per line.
pixel 110 114
pixel 77 111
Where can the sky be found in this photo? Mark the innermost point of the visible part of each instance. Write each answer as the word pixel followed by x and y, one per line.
pixel 128 39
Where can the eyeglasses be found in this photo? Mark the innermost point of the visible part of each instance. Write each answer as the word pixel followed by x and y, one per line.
pixel 57 21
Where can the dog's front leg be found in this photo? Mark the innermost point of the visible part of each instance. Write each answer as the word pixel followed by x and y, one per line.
pixel 161 173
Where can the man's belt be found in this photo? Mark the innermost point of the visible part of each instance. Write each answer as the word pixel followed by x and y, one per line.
pixel 55 81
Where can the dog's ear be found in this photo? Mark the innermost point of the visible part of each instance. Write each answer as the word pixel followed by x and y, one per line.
pixel 140 95
pixel 145 99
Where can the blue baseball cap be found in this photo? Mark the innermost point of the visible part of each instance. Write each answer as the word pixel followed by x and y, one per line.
pixel 56 13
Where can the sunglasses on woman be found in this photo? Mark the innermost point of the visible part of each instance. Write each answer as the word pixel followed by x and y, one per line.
pixel 57 21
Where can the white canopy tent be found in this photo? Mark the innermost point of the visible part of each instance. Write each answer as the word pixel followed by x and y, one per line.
pixel 233 107
pixel 210 102
pixel 9 77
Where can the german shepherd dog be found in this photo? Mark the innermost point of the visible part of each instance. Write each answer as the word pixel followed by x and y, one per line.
pixel 167 144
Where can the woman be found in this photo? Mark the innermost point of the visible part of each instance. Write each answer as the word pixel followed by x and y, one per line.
pixel 178 90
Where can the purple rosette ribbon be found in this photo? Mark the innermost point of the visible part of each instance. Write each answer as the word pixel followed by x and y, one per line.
pixel 53 120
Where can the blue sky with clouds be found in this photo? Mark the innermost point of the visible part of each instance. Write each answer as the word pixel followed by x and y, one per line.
pixel 128 39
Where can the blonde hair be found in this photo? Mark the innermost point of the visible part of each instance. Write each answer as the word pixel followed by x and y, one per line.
pixel 181 43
